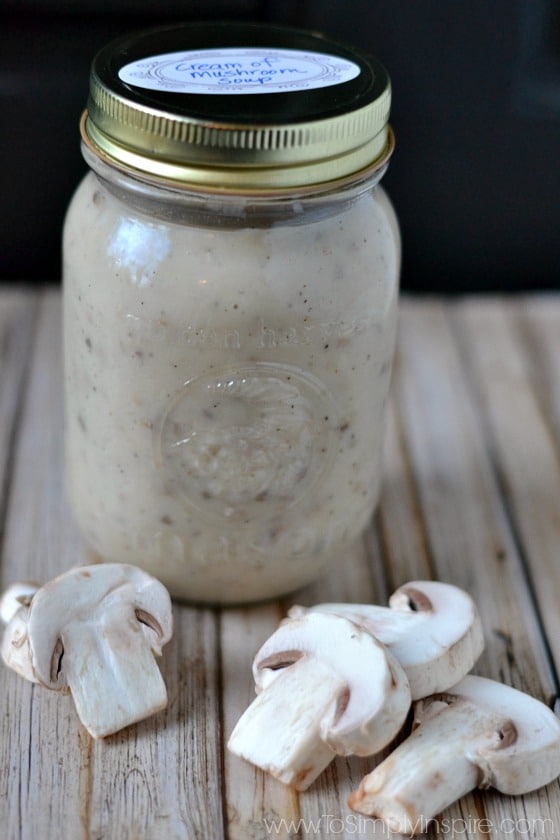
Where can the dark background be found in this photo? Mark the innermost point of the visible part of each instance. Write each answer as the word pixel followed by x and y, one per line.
pixel 476 110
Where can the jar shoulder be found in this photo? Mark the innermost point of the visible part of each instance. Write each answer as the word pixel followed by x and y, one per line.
pixel 387 207
pixel 189 210
pixel 109 240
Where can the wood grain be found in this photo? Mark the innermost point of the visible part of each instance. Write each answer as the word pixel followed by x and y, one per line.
pixel 471 495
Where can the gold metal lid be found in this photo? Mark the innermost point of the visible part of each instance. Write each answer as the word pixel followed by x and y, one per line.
pixel 237 107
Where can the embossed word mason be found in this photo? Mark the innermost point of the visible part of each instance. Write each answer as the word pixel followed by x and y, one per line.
pixel 260 336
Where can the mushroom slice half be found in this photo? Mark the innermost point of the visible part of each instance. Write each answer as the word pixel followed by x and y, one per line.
pixel 15 597
pixel 325 687
pixel 432 628
pixel 14 611
pixel 95 631
pixel 479 734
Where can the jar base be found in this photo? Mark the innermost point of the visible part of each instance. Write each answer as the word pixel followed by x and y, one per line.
pixel 238 591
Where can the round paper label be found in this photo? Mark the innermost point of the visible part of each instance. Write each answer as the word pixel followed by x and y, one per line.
pixel 244 70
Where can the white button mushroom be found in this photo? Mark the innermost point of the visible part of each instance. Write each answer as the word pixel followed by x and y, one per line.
pixel 325 687
pixel 14 610
pixel 15 597
pixel 479 734
pixel 432 628
pixel 94 631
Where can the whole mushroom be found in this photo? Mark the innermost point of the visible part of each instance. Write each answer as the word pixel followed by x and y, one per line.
pixel 479 734
pixel 325 687
pixel 94 631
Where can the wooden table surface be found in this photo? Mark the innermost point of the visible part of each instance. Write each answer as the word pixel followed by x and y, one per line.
pixel 471 496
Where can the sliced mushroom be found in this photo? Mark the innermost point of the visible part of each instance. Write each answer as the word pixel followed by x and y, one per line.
pixel 479 734
pixel 15 597
pixel 432 628
pixel 325 687
pixel 14 610
pixel 95 631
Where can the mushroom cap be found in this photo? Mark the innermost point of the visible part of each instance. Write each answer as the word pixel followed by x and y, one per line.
pixel 15 646
pixel 374 703
pixel 432 628
pixel 525 754
pixel 14 611
pixel 14 597
pixel 87 593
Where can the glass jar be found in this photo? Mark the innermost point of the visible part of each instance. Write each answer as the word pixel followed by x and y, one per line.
pixel 229 307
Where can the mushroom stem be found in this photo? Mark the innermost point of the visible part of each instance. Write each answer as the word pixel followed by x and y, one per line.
pixel 325 688
pixel 426 773
pixel 118 683
pixel 280 731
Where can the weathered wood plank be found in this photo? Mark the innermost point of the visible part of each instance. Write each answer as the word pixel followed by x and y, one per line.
pixel 521 435
pixel 401 525
pixel 17 317
pixel 536 321
pixel 44 786
pixel 465 522
pixel 40 540
pixel 162 777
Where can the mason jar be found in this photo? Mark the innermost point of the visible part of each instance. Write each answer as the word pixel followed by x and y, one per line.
pixel 231 269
